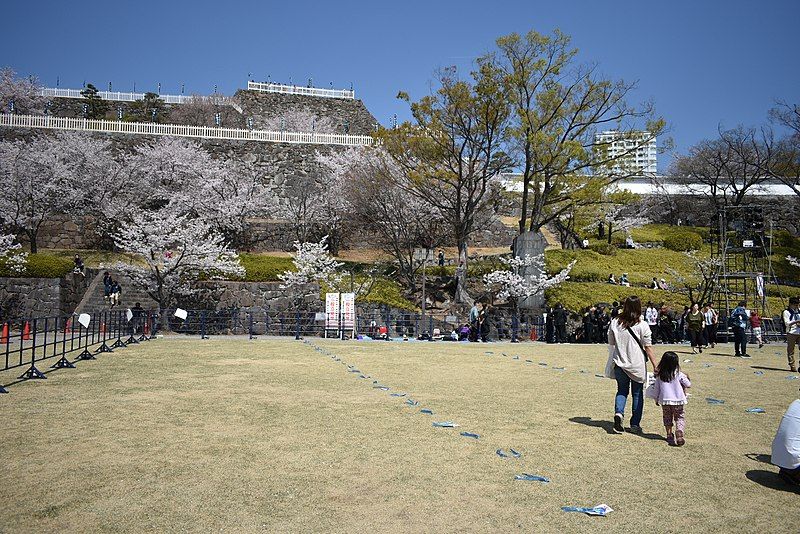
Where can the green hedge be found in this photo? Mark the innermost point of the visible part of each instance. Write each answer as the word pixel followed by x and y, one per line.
pixel 606 249
pixel 41 266
pixel 389 292
pixel 260 268
pixel 683 241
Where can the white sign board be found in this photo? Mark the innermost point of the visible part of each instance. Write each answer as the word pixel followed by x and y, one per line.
pixel 348 311
pixel 332 310
pixel 319 316
pixel 84 319
pixel 129 315
pixel 181 314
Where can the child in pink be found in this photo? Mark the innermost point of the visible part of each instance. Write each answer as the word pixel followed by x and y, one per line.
pixel 669 391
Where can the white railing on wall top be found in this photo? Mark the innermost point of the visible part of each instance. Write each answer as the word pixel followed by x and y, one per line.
pixel 178 130
pixel 297 90
pixel 51 92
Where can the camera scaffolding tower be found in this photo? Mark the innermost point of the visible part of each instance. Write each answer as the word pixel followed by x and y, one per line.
pixel 740 243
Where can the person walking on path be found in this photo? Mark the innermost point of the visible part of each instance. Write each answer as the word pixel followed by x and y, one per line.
pixel 669 392
pixel 651 316
pixel 738 321
pixel 694 326
pixel 710 324
pixel 791 320
pixel 629 348
pixel 755 327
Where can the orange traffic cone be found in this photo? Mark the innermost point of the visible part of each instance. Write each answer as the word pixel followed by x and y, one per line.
pixel 26 332
pixel 102 328
pixel 534 337
pixel 68 326
pixel 147 328
pixel 4 335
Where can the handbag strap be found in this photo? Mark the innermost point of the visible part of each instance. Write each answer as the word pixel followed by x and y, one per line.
pixel 638 342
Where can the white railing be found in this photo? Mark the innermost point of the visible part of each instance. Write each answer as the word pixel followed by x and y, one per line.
pixel 50 92
pixel 178 130
pixel 297 90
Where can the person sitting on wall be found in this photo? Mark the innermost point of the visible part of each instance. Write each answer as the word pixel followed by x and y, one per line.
pixel 611 279
pixel 79 266
pixel 662 284
pixel 654 283
pixel 623 280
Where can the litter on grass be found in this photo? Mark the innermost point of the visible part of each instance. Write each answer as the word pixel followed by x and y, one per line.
pixel 532 478
pixel 711 400
pixel 445 424
pixel 600 509
pixel 758 373
pixel 756 410
pixel 512 453
pixel 426 411
pixel 398 394
pixel 792 377
pixel 687 360
pixel 470 435
pixel 412 402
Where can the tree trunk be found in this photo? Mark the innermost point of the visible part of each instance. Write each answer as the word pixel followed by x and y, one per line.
pixel 32 235
pixel 462 296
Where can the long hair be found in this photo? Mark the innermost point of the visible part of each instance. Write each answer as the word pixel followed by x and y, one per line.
pixel 631 311
pixel 668 367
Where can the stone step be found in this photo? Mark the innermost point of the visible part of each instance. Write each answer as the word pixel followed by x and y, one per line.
pixel 94 301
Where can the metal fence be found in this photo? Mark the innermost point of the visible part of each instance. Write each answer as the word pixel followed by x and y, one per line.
pixel 179 130
pixel 118 96
pixel 29 343
pixel 296 90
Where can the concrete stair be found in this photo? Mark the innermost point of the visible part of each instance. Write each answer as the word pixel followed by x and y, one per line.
pixel 93 301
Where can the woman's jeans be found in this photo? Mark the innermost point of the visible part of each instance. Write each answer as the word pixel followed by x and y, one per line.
pixel 625 384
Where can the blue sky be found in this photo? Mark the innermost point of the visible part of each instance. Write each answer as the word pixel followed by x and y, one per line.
pixel 704 63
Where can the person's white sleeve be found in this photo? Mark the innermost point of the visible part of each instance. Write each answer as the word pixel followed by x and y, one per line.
pixel 786 445
pixel 647 336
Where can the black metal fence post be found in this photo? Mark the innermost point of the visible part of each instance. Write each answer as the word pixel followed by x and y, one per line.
pixel 203 325
pixel 297 325
pixel 102 333
pixel 63 362
pixel 86 354
pixel 118 344
pixel 32 371
pixel 250 324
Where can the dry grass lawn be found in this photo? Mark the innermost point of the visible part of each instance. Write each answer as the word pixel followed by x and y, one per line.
pixel 233 435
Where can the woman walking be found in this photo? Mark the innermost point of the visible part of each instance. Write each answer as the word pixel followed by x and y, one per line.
pixel 629 348
pixel 694 326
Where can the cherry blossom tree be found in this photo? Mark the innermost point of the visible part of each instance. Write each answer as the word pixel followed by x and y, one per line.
pixel 180 174
pixel 699 284
pixel 41 177
pixel 24 92
pixel 172 251
pixel 200 110
pixel 11 254
pixel 511 285
pixel 313 263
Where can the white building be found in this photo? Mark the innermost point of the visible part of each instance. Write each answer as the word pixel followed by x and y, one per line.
pixel 640 148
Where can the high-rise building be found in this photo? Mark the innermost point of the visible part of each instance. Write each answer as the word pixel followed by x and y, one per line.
pixel 638 150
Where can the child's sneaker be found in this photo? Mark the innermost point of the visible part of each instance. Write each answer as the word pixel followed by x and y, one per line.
pixel 679 441
pixel 671 440
pixel 618 428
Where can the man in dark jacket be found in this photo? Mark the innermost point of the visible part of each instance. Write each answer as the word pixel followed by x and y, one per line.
pixel 560 323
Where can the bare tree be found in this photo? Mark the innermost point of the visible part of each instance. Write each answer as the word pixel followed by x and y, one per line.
pixel 452 152
pixel 728 168
pixel 786 165
pixel 202 111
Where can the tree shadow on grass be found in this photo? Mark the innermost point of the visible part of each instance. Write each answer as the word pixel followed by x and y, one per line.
pixel 771 480
pixel 608 426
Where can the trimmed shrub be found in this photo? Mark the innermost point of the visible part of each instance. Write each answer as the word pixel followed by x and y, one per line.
pixel 683 241
pixel 41 266
pixel 259 268
pixel 605 249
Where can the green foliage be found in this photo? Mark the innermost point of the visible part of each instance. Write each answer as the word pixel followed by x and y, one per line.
pixel 261 268
pixel 683 241
pixel 96 107
pixel 577 295
pixel 605 249
pixel 142 110
pixel 388 292
pixel 782 238
pixel 40 266
pixel 640 264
